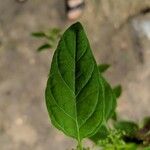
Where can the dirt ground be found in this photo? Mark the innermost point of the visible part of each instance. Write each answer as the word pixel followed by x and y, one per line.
pixel 119 32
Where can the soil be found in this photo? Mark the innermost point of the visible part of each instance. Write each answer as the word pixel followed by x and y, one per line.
pixel 119 32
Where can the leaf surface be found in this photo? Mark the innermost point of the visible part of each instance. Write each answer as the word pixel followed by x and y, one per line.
pixel 44 47
pixel 109 100
pixel 75 92
pixel 127 126
pixel 101 135
pixel 39 34
pixel 103 67
pixel 118 91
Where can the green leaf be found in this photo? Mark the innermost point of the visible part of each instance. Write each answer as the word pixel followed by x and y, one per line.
pixel 55 31
pixel 75 91
pixel 38 34
pixel 44 47
pixel 117 90
pixel 146 122
pixel 109 101
pixel 54 34
pixel 127 126
pixel 103 67
pixel 108 107
pixel 144 132
pixel 101 135
pixel 114 116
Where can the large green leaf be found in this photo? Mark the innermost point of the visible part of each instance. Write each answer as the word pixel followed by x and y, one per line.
pixel 39 34
pixel 75 88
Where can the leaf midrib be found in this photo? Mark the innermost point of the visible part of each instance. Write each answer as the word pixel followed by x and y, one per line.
pixel 76 119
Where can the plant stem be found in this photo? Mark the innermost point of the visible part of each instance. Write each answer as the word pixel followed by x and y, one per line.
pixel 79 146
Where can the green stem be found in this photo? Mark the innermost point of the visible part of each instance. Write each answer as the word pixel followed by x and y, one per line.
pixel 79 145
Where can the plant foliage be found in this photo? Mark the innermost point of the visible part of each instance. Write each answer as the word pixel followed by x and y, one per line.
pixel 50 37
pixel 78 98
pixel 103 67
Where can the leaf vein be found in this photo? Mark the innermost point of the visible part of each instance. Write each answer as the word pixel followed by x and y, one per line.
pixel 60 107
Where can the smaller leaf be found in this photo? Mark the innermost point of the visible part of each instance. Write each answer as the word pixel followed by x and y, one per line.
pixel 54 34
pixel 144 132
pixel 52 38
pixel 127 126
pixel 38 34
pixel 44 47
pixel 114 116
pixel 117 91
pixel 101 134
pixel 146 122
pixel 109 101
pixel 103 67
pixel 55 31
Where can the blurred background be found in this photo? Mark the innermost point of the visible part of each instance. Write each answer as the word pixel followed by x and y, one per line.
pixel 119 33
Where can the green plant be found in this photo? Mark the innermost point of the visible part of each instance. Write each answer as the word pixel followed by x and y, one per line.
pixel 79 100
pixel 103 67
pixel 50 37
pixel 114 141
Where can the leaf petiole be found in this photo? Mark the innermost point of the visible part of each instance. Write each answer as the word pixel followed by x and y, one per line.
pixel 79 147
